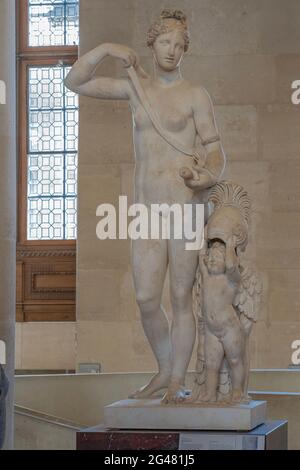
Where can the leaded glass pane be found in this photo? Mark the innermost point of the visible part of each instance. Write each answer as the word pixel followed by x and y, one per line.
pixel 53 22
pixel 71 175
pixel 71 217
pixel 46 219
pixel 46 175
pixel 52 154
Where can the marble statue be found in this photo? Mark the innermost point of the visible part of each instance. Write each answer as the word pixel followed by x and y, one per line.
pixel 169 116
pixel 227 297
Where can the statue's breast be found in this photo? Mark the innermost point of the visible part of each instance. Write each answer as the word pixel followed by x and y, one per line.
pixel 170 117
pixel 141 119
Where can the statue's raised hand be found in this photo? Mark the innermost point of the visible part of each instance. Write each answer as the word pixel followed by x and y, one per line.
pixel 125 53
pixel 128 56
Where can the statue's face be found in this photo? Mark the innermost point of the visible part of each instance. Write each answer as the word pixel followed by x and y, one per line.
pixel 168 49
pixel 216 258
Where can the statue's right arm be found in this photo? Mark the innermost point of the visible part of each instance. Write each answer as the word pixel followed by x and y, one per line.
pixel 81 78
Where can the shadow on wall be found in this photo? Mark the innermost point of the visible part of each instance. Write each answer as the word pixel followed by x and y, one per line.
pixel 4 385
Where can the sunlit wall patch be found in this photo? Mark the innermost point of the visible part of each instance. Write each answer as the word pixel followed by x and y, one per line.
pixel 2 92
pixel 2 352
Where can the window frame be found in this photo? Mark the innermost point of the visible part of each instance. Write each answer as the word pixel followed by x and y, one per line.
pixel 51 261
pixel 27 56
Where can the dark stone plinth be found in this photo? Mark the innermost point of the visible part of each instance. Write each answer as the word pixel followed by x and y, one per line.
pixel 271 436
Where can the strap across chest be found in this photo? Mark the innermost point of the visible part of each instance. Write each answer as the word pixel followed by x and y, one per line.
pixel 166 135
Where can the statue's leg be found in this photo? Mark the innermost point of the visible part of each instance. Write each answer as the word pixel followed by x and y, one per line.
pixel 199 381
pixel 182 267
pixel 234 345
pixel 149 265
pixel 225 385
pixel 214 355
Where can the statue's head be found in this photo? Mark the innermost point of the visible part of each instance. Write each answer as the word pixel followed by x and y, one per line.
pixel 216 257
pixel 168 38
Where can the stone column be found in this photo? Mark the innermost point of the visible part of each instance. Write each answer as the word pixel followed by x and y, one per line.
pixel 7 202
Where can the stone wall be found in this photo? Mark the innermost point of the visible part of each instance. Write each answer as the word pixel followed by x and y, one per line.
pixel 45 346
pixel 246 53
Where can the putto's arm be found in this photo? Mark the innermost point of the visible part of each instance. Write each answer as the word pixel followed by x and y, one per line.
pixel 232 262
pixel 81 78
pixel 208 133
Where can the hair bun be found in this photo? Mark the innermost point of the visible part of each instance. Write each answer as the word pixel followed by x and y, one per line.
pixel 174 14
pixel 161 27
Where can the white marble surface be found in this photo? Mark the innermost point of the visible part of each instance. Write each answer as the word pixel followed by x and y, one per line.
pixel 151 414
pixel 169 114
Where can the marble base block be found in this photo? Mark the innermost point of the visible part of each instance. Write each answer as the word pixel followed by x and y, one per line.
pixel 269 436
pixel 151 414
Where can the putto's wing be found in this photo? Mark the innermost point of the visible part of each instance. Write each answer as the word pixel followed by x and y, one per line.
pixel 248 298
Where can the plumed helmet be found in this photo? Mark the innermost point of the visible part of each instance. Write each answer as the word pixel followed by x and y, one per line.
pixel 231 214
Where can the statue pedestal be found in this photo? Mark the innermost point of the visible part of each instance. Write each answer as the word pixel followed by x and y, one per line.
pixel 151 414
pixel 269 436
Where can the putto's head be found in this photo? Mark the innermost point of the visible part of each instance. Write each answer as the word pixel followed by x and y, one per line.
pixel 216 257
pixel 169 38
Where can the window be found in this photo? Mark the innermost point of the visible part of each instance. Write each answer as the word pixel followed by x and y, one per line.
pixel 49 112
pixel 48 144
pixel 53 23
pixel 52 155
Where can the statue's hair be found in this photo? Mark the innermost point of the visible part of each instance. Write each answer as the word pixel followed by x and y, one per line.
pixel 161 26
pixel 231 194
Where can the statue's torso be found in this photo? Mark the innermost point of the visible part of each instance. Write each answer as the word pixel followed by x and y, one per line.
pixel 218 295
pixel 157 177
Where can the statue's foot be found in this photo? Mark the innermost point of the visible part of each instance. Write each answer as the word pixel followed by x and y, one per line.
pixel 237 396
pixel 195 394
pixel 157 382
pixel 175 393
pixel 225 399
pixel 246 398
pixel 208 397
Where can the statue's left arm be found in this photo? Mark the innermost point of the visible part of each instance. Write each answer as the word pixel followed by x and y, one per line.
pixel 205 124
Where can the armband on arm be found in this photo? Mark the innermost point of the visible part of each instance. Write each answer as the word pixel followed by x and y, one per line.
pixel 215 160
pixel 213 139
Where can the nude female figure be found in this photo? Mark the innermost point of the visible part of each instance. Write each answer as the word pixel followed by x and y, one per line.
pixel 184 111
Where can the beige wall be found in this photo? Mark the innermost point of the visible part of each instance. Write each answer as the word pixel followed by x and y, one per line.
pixel 45 346
pixel 246 53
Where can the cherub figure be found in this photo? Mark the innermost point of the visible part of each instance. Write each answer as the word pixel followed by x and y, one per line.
pixel 224 334
pixel 227 295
